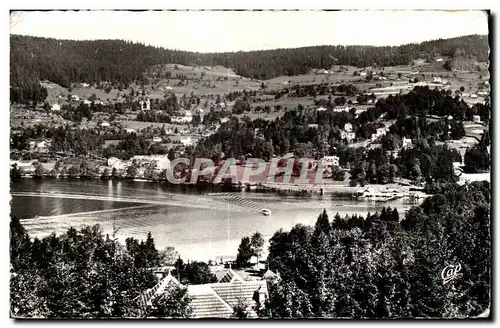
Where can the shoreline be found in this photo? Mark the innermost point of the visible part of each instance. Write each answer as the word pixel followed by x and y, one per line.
pixel 332 189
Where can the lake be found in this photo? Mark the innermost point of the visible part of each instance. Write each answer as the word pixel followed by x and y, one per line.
pixel 199 226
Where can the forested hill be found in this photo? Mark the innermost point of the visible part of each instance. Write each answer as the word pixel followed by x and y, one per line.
pixel 64 61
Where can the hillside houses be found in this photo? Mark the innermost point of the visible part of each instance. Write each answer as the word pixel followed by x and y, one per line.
pixel 348 136
pixel 157 162
pixel 439 80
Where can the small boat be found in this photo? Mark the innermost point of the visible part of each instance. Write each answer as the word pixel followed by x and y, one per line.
pixel 265 212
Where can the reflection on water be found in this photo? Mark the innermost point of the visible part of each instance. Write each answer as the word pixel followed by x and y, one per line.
pixel 197 233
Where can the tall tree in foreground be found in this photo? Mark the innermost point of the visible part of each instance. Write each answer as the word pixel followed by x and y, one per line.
pixel 244 253
pixel 257 243
pixel 174 303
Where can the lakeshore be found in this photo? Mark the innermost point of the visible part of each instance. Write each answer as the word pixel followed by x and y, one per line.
pixel 200 226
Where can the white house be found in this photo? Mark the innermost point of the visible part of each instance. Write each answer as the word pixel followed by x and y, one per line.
pixel 330 161
pixel 362 74
pixel 476 118
pixel 439 60
pixel 85 85
pixel 87 102
pixel 105 124
pixel 314 126
pixel 75 97
pixel 321 109
pixel 381 132
pixel 56 107
pixel 157 139
pixel 339 109
pixel 161 162
pixel 473 95
pixel 351 136
pixel 42 144
pixel 187 141
pixel 406 142
pixel 348 127
pixel 374 137
pixel 130 130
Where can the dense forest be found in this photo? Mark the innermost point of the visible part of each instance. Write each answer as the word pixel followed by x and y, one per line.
pixel 65 61
pixel 386 265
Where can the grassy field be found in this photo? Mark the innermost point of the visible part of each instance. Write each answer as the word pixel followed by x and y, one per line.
pixel 55 90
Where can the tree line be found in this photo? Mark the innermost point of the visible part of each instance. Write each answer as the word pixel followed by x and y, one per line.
pixel 64 62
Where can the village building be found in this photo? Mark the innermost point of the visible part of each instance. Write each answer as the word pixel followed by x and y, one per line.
pixel 339 109
pixel 329 161
pixel 145 104
pixel 105 124
pixel 381 132
pixel 476 118
pixel 406 142
pixel 348 127
pixel 56 107
pixel 321 109
pixel 160 162
pixel 26 168
pixel 75 97
pixel 188 141
pixel 214 300
pixel 87 102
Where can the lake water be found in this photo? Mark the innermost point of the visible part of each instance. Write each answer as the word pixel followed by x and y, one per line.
pixel 199 226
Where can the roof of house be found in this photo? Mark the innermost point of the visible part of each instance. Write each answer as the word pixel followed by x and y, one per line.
pixel 215 300
pixel 234 292
pixel 270 275
pixel 230 276
pixel 206 303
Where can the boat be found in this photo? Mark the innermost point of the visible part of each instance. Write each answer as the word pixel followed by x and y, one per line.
pixel 265 212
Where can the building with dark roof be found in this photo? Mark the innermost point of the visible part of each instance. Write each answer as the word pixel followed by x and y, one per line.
pixel 215 300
